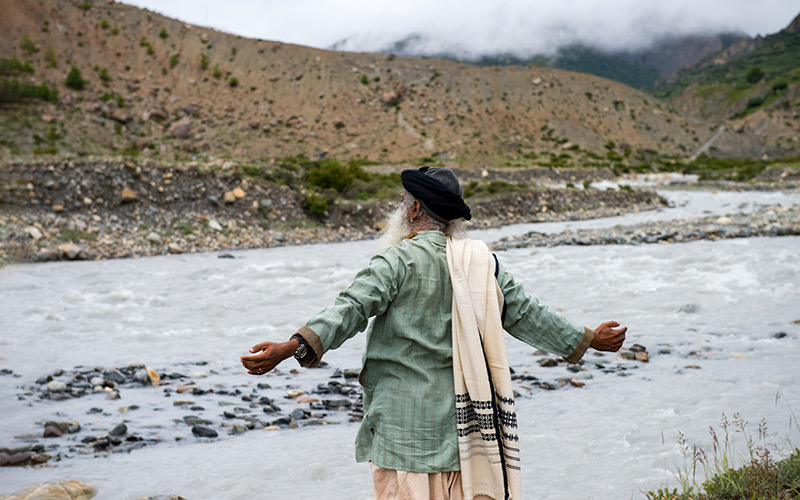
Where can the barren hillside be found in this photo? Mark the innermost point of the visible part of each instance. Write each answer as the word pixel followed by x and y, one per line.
pixel 156 86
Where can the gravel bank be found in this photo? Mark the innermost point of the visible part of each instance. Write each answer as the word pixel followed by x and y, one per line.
pixel 105 209
pixel 770 221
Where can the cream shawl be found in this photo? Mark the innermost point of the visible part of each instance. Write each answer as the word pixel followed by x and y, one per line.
pixel 488 442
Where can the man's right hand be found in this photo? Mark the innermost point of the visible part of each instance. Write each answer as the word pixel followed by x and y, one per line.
pixel 606 338
pixel 270 355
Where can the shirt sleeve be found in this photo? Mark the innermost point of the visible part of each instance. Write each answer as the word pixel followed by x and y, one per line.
pixel 538 325
pixel 370 293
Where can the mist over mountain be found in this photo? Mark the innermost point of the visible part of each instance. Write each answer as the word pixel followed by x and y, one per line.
pixel 640 67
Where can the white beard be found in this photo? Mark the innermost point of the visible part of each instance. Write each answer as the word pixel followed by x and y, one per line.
pixel 397 228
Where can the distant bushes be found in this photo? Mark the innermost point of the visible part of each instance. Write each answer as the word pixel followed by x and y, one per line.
pixel 14 90
pixel 74 79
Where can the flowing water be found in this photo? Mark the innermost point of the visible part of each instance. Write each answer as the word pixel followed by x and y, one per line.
pixel 708 313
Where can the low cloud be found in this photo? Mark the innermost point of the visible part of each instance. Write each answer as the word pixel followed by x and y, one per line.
pixel 473 28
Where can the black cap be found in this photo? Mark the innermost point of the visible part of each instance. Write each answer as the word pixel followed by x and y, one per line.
pixel 438 191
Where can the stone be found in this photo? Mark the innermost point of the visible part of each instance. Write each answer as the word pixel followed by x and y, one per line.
pixel 626 355
pixel 780 335
pixel 63 490
pixel 70 251
pixel 390 98
pixel 181 129
pixel 202 431
pixel 153 237
pixel 128 195
pixel 58 208
pixel 576 383
pixel 548 363
pixel 56 386
pixel 293 393
pixel 239 429
pixel 175 248
pixel 115 376
pixel 119 430
pixel 238 193
pixel 34 233
pixel 52 431
pixel 229 197
pixel 213 224
pixel 641 356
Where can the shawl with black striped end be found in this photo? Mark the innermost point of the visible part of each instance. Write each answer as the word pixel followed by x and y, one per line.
pixel 488 443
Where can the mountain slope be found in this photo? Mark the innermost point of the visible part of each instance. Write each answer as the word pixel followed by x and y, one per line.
pixel 159 87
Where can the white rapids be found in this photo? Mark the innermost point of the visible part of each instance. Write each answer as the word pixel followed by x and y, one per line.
pixel 714 307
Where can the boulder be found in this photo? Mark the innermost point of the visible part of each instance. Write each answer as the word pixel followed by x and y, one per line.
pixel 181 129
pixel 70 251
pixel 64 490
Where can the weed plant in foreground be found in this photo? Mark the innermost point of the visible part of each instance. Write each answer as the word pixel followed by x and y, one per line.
pixel 760 474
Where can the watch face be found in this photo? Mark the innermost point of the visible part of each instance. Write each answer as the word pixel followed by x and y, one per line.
pixel 301 351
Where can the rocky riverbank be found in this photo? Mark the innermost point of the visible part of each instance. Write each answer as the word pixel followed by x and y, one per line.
pixel 769 221
pixel 86 210
pixel 97 411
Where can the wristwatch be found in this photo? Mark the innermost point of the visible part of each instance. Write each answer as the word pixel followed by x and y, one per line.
pixel 302 349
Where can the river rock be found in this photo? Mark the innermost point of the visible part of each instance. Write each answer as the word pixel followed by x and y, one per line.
pixel 70 251
pixel 52 432
pixel 115 376
pixel 33 232
pixel 119 430
pixel 202 431
pixel 56 386
pixel 64 490
pixel 128 195
pixel 153 237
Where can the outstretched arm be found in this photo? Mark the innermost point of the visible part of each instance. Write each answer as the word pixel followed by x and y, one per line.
pixel 270 354
pixel 606 338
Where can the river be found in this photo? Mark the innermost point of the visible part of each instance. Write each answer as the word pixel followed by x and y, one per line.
pixel 719 319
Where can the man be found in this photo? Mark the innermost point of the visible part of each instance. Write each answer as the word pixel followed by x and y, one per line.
pixel 439 417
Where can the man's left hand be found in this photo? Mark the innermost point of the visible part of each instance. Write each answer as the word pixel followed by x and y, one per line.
pixel 606 338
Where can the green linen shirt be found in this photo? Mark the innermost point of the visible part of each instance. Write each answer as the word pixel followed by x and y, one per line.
pixel 407 375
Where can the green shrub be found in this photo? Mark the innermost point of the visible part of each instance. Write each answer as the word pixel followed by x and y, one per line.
pixel 13 90
pixel 85 5
pixel 203 62
pixel 330 174
pixel 217 73
pixel 233 82
pixel 755 102
pixel 755 75
pixel 104 75
pixel 163 33
pixel 49 57
pixel 364 78
pixel 14 65
pixel 104 24
pixel 115 31
pixel 74 79
pixel 173 60
pixel 27 45
pixel 316 206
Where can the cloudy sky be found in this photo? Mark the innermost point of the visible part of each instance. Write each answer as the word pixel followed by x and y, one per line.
pixel 475 27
